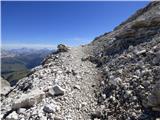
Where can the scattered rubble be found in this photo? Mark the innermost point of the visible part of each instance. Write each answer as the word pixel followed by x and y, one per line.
pixel 115 77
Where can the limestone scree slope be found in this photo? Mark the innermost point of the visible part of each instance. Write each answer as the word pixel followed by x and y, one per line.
pixel 115 77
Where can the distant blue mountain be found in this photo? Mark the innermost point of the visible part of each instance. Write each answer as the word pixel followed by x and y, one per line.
pixel 16 63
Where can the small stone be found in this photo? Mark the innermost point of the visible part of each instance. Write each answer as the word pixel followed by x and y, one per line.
pixel 104 96
pixel 77 87
pixel 115 81
pixel 112 98
pixel 141 52
pixel 21 111
pixel 49 108
pixel 78 77
pixel 84 104
pixel 12 116
pixel 58 118
pixel 74 73
pixel 128 92
pixel 56 91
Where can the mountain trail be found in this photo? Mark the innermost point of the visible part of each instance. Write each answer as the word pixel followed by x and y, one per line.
pixel 115 77
pixel 81 85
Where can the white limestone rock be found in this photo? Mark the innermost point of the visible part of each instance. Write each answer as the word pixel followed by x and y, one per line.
pixel 12 116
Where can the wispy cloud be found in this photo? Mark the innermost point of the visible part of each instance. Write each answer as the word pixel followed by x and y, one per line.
pixel 35 46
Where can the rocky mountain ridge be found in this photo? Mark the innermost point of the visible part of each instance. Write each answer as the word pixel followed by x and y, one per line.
pixel 115 77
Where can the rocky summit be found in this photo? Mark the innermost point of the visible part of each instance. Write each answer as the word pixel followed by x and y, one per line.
pixel 115 77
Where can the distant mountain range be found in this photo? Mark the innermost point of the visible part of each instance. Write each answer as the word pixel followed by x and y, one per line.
pixel 16 63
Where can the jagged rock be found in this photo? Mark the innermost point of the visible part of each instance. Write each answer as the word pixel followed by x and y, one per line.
pixel 12 116
pixel 62 48
pixel 29 100
pixel 56 91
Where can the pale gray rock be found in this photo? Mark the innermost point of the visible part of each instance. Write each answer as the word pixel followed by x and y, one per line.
pixel 29 100
pixel 5 86
pixel 77 87
pixel 56 91
pixel 21 111
pixel 140 52
pixel 49 108
pixel 58 118
pixel 12 116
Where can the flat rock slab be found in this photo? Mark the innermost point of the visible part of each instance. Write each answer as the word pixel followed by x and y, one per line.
pixel 29 100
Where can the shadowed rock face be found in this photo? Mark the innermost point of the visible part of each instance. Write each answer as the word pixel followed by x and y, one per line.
pixel 115 77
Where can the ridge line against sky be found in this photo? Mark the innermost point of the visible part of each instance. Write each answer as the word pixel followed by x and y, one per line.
pixel 38 24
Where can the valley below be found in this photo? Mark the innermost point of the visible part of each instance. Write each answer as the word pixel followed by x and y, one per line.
pixel 16 63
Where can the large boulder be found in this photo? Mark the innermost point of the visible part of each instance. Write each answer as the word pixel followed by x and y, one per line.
pixel 29 100
pixel 5 86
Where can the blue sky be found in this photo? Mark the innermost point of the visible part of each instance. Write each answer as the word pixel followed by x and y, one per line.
pixel 46 24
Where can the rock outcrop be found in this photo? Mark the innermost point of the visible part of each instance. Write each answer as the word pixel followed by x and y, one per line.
pixel 115 77
pixel 5 86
